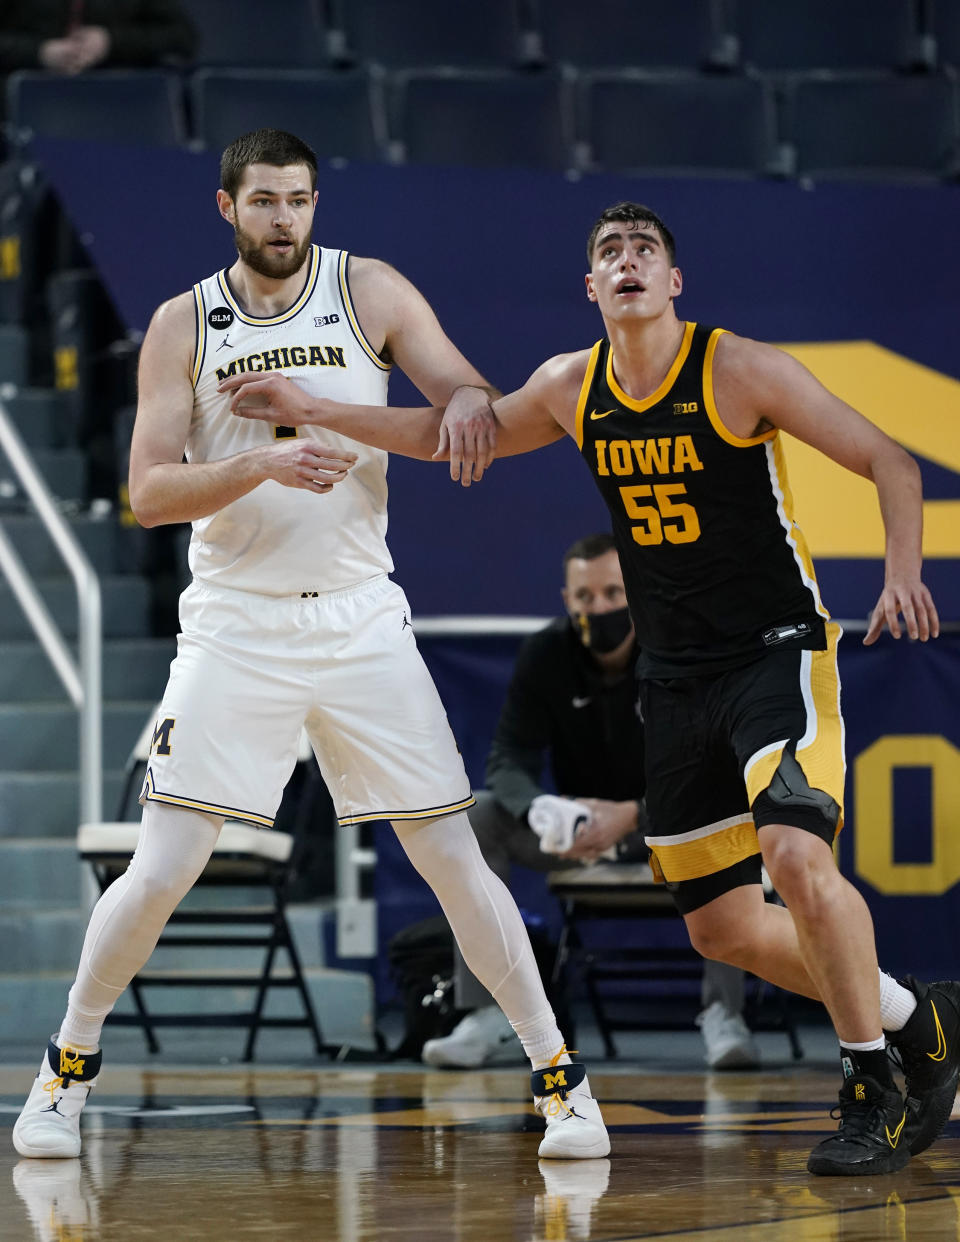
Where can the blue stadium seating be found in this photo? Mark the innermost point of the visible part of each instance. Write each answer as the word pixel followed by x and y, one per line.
pixel 483 119
pixel 857 126
pixel 684 34
pixel 141 106
pixel 825 34
pixel 243 33
pixel 339 114
pixel 678 123
pixel 433 33
pixel 945 28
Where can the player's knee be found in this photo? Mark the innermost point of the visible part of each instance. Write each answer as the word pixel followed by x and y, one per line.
pixel 800 865
pixel 722 941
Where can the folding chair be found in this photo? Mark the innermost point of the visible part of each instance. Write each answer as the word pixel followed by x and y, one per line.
pixel 244 857
pixel 627 892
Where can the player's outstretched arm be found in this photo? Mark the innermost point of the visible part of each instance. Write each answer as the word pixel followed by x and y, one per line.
pixel 763 386
pixel 165 489
pixel 525 419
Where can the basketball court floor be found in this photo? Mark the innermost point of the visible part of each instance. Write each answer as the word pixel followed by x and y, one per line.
pixel 217 1152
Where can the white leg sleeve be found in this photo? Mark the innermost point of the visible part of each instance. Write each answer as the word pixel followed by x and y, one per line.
pixel 487 925
pixel 172 851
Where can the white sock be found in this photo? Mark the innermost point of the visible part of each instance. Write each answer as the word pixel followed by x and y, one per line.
pixel 897 1003
pixel 487 925
pixel 542 1041
pixel 173 848
pixel 872 1045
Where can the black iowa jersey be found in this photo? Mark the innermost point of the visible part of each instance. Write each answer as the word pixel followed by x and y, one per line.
pixel 715 568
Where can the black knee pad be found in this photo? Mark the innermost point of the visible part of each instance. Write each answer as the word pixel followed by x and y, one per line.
pixel 789 799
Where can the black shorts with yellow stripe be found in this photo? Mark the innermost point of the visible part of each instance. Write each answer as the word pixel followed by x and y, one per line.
pixel 728 753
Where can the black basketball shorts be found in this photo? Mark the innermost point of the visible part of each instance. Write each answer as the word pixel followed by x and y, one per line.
pixel 728 753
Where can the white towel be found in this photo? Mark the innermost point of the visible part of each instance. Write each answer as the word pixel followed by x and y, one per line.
pixel 556 821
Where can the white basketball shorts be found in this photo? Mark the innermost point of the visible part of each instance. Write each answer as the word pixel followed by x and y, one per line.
pixel 252 670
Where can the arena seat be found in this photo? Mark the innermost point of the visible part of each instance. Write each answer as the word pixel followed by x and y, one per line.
pixel 686 34
pixel 855 126
pixel 822 34
pixel 944 27
pixel 246 859
pixel 478 118
pixel 143 106
pixel 435 33
pixel 339 114
pixel 242 33
pixel 677 123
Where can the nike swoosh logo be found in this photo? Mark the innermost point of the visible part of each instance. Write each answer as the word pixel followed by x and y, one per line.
pixel 941 1051
pixel 598 414
pixel 894 1138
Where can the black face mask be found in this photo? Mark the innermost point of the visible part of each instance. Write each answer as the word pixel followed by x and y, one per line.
pixel 602 631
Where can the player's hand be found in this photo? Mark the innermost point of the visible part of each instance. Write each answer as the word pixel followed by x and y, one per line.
pixel 468 433
pixel 609 823
pixel 911 600
pixel 308 464
pixel 271 398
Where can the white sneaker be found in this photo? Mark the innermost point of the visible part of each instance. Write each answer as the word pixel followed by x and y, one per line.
pixel 572 1190
pixel 727 1039
pixel 49 1126
pixel 58 1201
pixel 481 1037
pixel 575 1129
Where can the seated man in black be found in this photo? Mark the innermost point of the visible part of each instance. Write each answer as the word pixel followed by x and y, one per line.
pixel 574 696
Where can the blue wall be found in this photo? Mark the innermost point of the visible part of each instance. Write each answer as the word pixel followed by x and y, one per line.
pixel 501 255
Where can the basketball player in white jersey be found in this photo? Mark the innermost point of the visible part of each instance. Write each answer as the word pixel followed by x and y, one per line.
pixel 291 621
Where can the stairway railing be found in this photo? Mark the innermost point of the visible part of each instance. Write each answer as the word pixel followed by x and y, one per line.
pixel 81 678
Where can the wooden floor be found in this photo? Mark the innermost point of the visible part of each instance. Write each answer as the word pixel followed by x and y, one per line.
pixel 361 1154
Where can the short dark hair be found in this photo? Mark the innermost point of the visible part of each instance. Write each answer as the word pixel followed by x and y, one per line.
pixel 632 213
pixel 589 548
pixel 264 146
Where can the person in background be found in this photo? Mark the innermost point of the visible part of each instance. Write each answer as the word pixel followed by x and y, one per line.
pixel 71 36
pixel 574 700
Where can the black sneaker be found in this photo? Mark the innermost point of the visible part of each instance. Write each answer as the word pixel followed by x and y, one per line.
pixel 870 1137
pixel 928 1048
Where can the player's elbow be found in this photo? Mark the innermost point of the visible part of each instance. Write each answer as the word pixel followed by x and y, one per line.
pixel 146 517
pixel 144 503
pixel 892 462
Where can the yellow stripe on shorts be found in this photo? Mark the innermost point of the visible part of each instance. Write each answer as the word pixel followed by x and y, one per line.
pixel 704 851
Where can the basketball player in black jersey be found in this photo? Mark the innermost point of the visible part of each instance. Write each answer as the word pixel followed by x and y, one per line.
pixel 679 425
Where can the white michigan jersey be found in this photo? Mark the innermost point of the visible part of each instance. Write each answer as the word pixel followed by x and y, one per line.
pixel 280 540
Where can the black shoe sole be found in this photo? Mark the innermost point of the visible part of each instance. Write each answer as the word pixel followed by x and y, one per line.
pixel 883 1162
